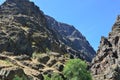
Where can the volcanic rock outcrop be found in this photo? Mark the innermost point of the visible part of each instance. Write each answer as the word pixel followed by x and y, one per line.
pixel 106 65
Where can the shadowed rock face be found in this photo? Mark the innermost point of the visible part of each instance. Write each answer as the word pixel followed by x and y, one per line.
pixel 25 29
pixel 106 65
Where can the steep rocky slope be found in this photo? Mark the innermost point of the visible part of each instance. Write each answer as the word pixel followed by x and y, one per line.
pixel 75 41
pixel 31 46
pixel 30 68
pixel 106 65
pixel 25 29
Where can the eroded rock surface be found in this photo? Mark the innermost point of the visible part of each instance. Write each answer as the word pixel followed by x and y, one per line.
pixel 33 68
pixel 76 43
pixel 25 29
pixel 106 65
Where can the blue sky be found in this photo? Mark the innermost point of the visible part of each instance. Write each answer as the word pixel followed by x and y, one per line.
pixel 93 18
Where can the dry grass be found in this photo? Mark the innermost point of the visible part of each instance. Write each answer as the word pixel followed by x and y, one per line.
pixel 5 63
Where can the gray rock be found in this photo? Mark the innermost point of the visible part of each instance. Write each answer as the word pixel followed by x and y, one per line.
pixel 75 42
pixel 106 66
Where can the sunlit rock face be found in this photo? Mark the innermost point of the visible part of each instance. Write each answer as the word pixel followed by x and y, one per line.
pixel 25 29
pixel 106 65
pixel 71 37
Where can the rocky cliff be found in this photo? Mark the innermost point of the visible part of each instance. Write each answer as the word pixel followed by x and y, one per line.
pixel 25 29
pixel 76 43
pixel 106 65
pixel 33 45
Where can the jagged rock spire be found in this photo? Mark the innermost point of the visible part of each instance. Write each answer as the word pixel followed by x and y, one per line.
pixel 106 64
pixel 116 26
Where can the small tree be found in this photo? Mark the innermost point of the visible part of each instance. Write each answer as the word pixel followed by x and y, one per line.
pixel 17 78
pixel 75 69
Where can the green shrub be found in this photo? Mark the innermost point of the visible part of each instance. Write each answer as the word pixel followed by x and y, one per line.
pixel 75 69
pixel 54 76
pixel 47 50
pixel 17 78
pixel 46 77
pixel 36 55
pixel 20 78
pixel 7 61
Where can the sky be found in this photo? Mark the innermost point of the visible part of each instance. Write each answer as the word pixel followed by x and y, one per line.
pixel 93 18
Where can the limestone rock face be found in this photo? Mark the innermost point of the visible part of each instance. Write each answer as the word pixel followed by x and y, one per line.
pixel 106 65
